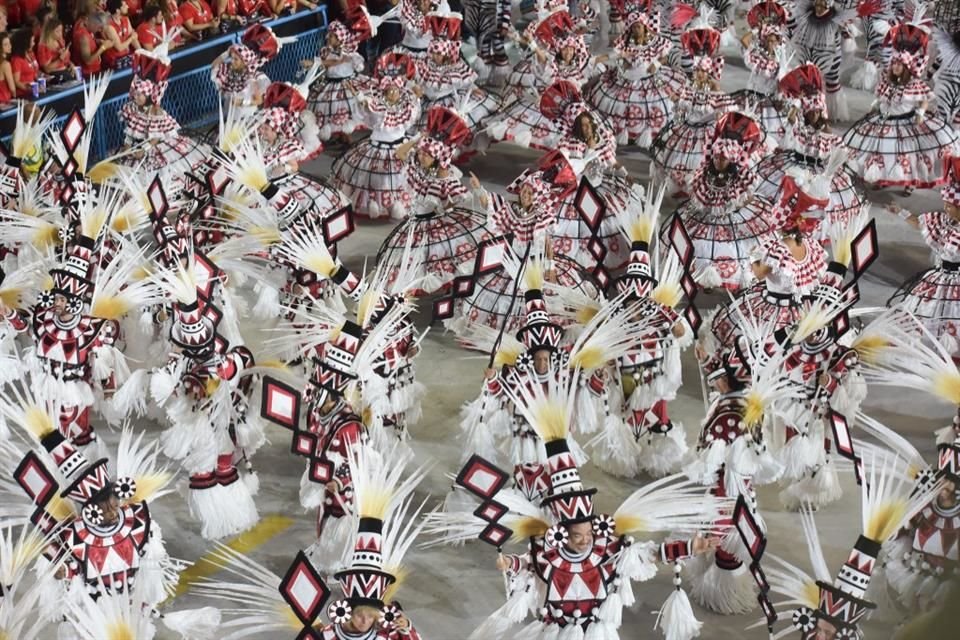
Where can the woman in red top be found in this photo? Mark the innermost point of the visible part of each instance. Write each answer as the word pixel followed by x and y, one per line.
pixel 198 17
pixel 174 21
pixel 87 49
pixel 120 34
pixel 150 31
pixel 22 62
pixel 134 9
pixel 52 52
pixel 8 87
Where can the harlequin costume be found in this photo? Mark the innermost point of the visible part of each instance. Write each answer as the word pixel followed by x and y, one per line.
pixel 723 216
pixel 762 56
pixel 244 87
pixel 521 120
pixel 946 77
pixel 151 132
pixel 648 375
pixel 822 39
pixel 448 81
pixel 205 393
pixel 369 172
pixel 416 30
pixel 374 551
pixel 333 97
pixel 439 226
pixel 588 144
pixel 573 591
pixel 679 148
pixel 636 93
pixel 777 299
pixel 922 561
pixel 531 229
pixel 808 144
pixel 900 144
pixel 933 295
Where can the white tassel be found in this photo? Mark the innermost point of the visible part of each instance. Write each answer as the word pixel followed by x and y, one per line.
pixel 677 620
pixel 617 451
pixel 223 510
pixel 194 624
pixel 131 397
pixel 268 302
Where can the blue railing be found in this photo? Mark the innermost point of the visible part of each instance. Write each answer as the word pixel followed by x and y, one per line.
pixel 191 96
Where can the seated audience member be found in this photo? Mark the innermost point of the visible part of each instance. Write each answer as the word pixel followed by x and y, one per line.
pixel 87 47
pixel 119 33
pixel 53 54
pixel 198 18
pixel 8 87
pixel 23 63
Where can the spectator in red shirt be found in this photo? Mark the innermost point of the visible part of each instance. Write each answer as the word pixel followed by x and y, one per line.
pixel 8 87
pixel 87 48
pixel 53 54
pixel 198 17
pixel 150 32
pixel 120 34
pixel 29 8
pixel 134 10
pixel 284 7
pixel 22 61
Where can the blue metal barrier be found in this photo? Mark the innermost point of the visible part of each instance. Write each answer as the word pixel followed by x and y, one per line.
pixel 191 96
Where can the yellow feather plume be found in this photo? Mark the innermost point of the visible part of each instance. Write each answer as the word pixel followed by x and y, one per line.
pixel 148 485
pixel 946 385
pixel 550 420
pixel 103 171
pixel 211 386
pixel 289 617
pixel 529 527
pixel 584 315
pixel 231 137
pixel 588 358
pixel 46 235
pixel 110 307
pixel 47 283
pixel 507 356
pixel 375 504
pixel 810 594
pixel 400 574
pixel 61 509
pixel 120 631
pixel 366 416
pixel 668 294
pixel 754 410
pixel 320 263
pixel 38 421
pixel 10 298
pixel 533 275
pixel 366 305
pixel 92 224
pixel 628 522
pixel 265 235
pixel 883 523
pixel 640 229
pixel 869 347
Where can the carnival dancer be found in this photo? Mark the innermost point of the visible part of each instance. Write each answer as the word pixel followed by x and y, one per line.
pixel 763 49
pixel 151 135
pixel 521 120
pixel 205 392
pixel 444 231
pixel 836 608
pixel 821 34
pixel 787 267
pixel 946 77
pixel 237 73
pixel 529 220
pixel 369 172
pixel 448 81
pixel 487 23
pixel 374 554
pixel 635 94
pixel 333 97
pixel 576 575
pixel 679 148
pixel 648 375
pixel 900 144
pixel 929 295
pixel 723 217
pixel 809 145
pixel 590 147
pixel 733 460
pixel 416 30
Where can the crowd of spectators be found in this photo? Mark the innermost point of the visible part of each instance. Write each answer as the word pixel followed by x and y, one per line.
pixel 46 43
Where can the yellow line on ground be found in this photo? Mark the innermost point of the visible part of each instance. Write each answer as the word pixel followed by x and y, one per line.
pixel 268 527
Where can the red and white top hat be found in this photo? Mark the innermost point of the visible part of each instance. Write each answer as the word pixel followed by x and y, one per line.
pixel 72 278
pixel 566 498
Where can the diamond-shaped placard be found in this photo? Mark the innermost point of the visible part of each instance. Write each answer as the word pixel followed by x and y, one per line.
pixel 35 480
pixel 481 477
pixel 597 249
pixel 304 590
pixel 841 435
pixel 338 226
pixel 495 535
pixel 590 205
pixel 693 317
pixel 749 529
pixel 759 577
pixel 491 511
pixel 443 308
pixel 304 444
pixel 490 254
pixel 865 249
pixel 602 276
pixel 321 471
pixel 280 403
pixel 206 273
pixel 73 130
pixel 768 611
pixel 680 241
pixel 217 179
pixel 158 198
pixel 463 286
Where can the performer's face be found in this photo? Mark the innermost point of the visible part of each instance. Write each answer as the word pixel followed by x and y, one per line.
pixel 772 42
pixel 526 196
pixel 425 159
pixel 139 99
pixel 700 77
pixel 268 133
pixel 824 631
pixel 948 495
pixel 236 64
pixel 436 57
pixel 567 54
pixel 541 361
pixel 639 32
pixel 820 7
pixel 720 163
pixel 362 619
pixel 952 210
pixel 111 510
pixel 581 537
pixel 393 94
pixel 425 6
pixel 333 40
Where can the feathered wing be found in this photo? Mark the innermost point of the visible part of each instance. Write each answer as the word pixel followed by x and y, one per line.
pixel 141 462
pixel 674 503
